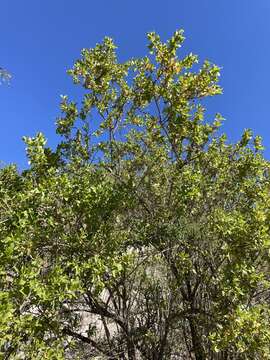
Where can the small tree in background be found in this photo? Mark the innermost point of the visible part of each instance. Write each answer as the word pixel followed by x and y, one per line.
pixel 4 76
pixel 145 235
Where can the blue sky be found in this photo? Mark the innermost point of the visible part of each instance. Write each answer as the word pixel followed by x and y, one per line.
pixel 41 39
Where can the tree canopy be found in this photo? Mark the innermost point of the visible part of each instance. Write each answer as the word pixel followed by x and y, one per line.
pixel 145 234
pixel 4 75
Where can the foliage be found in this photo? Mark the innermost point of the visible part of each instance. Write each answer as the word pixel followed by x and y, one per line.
pixel 4 76
pixel 145 235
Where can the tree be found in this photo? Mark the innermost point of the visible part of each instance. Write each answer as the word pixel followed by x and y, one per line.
pixel 145 235
pixel 4 76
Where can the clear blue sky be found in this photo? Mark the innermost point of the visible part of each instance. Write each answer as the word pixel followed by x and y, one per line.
pixel 40 39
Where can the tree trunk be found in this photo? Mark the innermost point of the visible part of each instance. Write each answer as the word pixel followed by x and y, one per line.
pixel 196 342
pixel 131 350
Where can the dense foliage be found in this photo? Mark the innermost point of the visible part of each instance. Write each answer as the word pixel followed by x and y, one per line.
pixel 145 235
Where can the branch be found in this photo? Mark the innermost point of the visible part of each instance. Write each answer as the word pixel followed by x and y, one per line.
pixel 84 339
